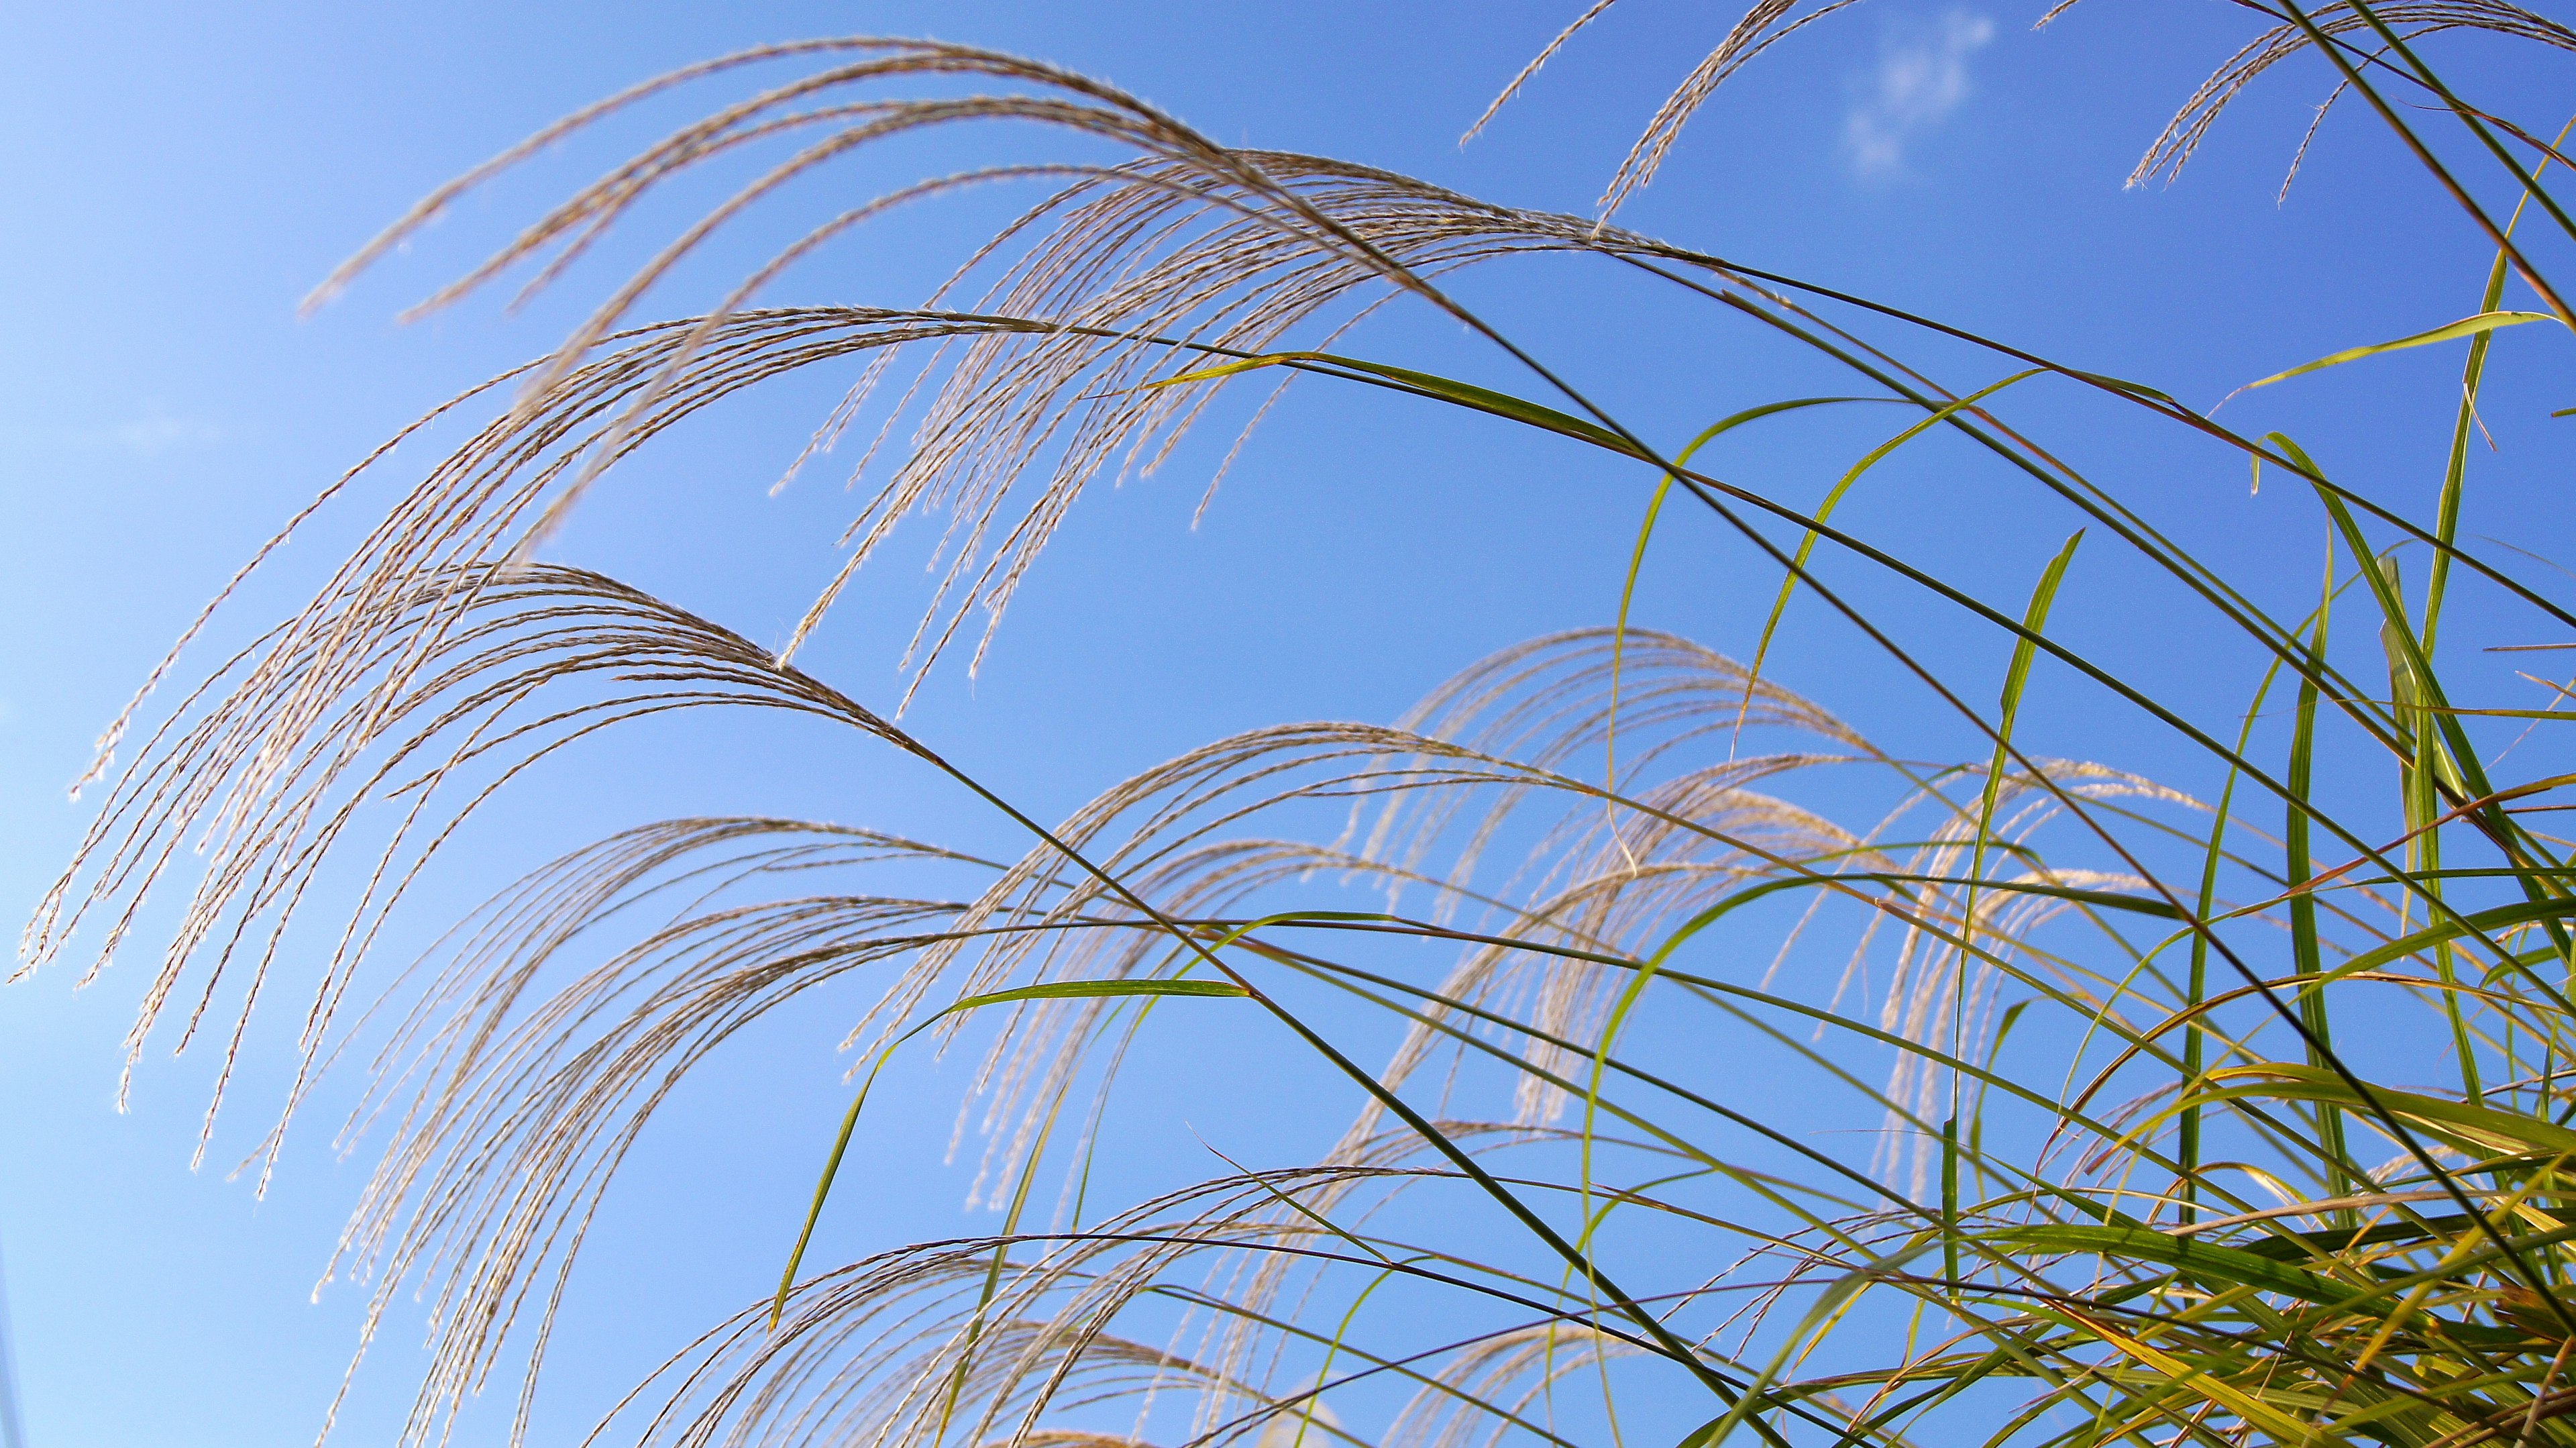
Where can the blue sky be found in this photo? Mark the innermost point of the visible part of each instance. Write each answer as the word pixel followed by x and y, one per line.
pixel 181 175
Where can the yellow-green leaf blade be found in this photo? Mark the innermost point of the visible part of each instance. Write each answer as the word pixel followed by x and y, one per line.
pixel 2205 1260
pixel 2478 325
pixel 1051 990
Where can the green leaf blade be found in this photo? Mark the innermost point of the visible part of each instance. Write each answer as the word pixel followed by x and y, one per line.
pixel 2477 326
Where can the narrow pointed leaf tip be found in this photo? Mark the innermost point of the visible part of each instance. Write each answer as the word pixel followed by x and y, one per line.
pixel 1081 989
pixel 1427 384
pixel 2483 322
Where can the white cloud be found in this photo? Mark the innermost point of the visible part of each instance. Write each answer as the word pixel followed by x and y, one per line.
pixel 1921 77
pixel 151 432
pixel 158 432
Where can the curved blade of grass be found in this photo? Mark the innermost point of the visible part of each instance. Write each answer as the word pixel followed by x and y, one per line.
pixel 1646 533
pixel 2016 675
pixel 1721 993
pixel 2308 959
pixel 1826 1307
pixel 1807 545
pixel 1466 394
pixel 1052 990
pixel 2470 1127
pixel 2039 465
pixel 2446 517
pixel 2208 1261
pixel 2502 917
pixel 2460 776
pixel 2187 1141
pixel 2477 326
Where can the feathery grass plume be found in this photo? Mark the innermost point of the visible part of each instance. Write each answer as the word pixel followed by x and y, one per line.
pixel 1766 23
pixel 2087 1146
pixel 270 776
pixel 2379 28
pixel 2381 54
pixel 2190 125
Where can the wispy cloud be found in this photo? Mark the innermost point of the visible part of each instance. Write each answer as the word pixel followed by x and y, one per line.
pixel 1921 77
pixel 151 432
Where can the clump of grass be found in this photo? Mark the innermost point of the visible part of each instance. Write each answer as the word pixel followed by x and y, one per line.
pixel 2127 1181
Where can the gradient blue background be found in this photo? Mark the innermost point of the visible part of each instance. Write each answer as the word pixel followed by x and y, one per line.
pixel 178 175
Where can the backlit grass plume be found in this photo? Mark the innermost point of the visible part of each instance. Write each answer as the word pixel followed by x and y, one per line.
pixel 2224 1108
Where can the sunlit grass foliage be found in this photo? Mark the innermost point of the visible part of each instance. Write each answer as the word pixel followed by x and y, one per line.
pixel 2068 1143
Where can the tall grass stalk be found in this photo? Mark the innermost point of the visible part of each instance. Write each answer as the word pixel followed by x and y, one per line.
pixel 2125 1174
